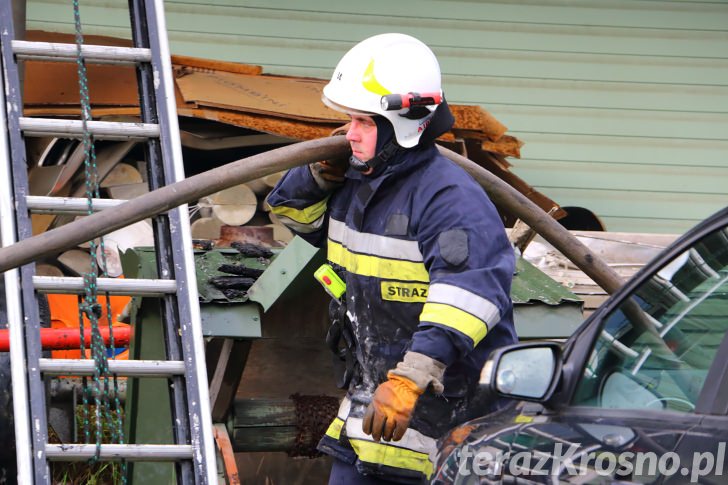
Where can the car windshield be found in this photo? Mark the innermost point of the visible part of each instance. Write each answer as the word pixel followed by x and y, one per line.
pixel 655 350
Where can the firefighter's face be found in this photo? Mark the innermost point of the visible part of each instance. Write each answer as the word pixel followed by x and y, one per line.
pixel 362 137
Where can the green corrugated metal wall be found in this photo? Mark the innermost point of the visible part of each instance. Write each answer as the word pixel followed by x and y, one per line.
pixel 623 104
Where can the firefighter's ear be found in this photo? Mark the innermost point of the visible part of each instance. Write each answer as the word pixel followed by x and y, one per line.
pixel 453 245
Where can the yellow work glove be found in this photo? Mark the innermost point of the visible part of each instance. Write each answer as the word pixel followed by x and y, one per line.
pixel 390 411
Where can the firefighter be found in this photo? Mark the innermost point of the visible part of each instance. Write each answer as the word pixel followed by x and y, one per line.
pixel 424 257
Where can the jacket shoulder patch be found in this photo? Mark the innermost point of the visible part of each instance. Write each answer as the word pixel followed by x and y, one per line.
pixel 453 246
pixel 397 225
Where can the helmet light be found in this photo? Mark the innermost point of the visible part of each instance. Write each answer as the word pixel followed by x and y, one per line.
pixel 395 102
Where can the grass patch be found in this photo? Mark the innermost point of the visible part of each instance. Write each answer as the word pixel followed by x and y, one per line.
pixel 86 472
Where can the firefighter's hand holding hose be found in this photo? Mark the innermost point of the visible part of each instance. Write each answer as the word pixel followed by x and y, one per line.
pixel 390 411
pixel 329 174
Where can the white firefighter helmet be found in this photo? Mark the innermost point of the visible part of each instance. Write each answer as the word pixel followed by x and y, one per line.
pixel 388 65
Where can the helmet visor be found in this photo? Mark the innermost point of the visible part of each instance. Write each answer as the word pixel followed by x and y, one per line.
pixel 344 109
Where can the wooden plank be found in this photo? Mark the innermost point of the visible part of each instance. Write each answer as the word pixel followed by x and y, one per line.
pixel 626 123
pixel 581 66
pixel 607 11
pixel 206 228
pixel 509 32
pixel 625 150
pixel 225 376
pixel 122 174
pixel 592 302
pixel 653 208
pixel 596 94
pixel 611 29
pixel 252 413
pixel 280 438
pixel 626 253
pixel 637 177
pixel 126 192
pixel 76 261
pixel 651 224
pixel 234 206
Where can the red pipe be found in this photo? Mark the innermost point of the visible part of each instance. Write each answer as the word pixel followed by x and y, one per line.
pixel 70 338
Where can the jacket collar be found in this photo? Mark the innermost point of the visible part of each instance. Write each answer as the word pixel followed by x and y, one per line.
pixel 407 161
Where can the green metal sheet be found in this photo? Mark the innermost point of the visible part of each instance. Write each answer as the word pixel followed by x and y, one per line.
pixel 234 320
pixel 221 316
pixel 291 270
pixel 542 307
pixel 539 321
pixel 207 264
pixel 537 298
pixel 148 404
pixel 531 285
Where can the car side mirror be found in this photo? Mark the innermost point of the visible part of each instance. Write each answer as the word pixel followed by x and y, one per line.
pixel 526 371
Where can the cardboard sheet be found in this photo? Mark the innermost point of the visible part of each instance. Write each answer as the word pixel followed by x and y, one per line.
pixel 299 99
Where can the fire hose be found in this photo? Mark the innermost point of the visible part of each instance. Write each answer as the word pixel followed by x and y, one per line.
pixel 193 188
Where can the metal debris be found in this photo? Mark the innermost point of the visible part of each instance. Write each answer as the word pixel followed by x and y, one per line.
pixel 232 282
pixel 252 250
pixel 240 270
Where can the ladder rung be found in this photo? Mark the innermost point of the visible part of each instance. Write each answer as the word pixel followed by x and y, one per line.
pixel 78 452
pixel 67 205
pixel 129 368
pixel 131 286
pixel 102 130
pixel 54 51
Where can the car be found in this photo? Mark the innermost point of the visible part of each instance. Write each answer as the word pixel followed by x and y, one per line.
pixel 638 394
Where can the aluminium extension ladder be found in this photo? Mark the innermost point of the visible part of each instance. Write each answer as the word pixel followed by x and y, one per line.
pixel 193 449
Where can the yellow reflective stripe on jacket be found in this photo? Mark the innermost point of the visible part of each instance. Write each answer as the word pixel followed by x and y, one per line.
pixel 307 215
pixel 465 300
pixel 456 318
pixel 334 429
pixel 368 265
pixel 384 454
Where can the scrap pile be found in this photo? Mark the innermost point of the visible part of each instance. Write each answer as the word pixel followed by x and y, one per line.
pixel 236 107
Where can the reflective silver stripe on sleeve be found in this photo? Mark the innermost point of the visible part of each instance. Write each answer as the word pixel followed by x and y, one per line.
pixel 464 300
pixel 374 244
pixel 300 227
pixel 412 439
pixel 344 409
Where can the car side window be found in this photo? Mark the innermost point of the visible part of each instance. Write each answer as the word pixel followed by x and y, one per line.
pixel 655 349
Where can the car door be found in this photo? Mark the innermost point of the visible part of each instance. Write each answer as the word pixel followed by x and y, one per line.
pixel 638 395
pixel 656 364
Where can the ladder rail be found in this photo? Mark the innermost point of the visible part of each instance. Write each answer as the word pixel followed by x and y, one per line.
pixel 23 230
pixel 13 306
pixel 185 363
pixel 194 352
pixel 157 178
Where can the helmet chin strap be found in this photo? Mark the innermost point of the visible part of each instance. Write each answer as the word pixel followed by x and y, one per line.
pixel 389 150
